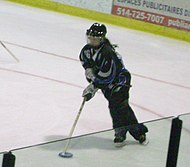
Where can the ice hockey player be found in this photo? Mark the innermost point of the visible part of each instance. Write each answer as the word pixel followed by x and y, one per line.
pixel 104 69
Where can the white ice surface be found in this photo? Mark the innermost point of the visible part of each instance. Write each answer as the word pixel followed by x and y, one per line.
pixel 41 95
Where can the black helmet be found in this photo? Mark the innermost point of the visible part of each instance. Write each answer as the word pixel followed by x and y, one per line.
pixel 97 30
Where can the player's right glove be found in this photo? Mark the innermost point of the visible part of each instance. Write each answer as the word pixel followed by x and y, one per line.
pixel 89 92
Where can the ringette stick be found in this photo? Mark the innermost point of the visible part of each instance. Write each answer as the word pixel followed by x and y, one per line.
pixel 9 51
pixel 66 154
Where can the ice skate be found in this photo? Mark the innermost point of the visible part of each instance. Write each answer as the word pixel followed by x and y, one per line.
pixel 119 141
pixel 143 140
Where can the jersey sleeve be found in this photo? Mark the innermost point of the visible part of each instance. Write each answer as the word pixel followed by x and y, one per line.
pixel 84 57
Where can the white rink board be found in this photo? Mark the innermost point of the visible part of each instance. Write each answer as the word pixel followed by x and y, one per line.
pixel 103 6
pixel 174 14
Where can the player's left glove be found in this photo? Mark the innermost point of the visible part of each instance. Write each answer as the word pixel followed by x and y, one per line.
pixel 89 92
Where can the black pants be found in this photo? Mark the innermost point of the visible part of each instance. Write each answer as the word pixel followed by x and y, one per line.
pixel 124 120
pixel 123 117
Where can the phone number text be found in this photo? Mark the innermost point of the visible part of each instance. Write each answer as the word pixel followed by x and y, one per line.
pixel 140 15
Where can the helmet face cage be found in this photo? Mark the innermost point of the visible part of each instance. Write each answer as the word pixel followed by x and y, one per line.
pixel 94 41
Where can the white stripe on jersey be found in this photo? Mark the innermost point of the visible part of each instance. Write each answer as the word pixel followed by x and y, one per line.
pixel 96 54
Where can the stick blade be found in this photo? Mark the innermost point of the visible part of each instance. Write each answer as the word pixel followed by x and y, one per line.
pixel 65 155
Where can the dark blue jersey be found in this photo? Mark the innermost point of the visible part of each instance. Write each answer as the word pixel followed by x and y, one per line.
pixel 107 65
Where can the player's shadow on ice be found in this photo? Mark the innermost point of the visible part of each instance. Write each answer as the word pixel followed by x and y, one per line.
pixel 83 143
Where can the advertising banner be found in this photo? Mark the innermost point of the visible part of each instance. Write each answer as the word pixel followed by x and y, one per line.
pixel 174 14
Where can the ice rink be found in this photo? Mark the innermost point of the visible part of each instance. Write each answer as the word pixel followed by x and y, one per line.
pixel 41 94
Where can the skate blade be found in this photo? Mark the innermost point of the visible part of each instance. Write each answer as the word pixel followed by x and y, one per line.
pixel 120 144
pixel 145 142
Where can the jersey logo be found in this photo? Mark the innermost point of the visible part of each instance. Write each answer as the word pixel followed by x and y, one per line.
pixel 110 72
